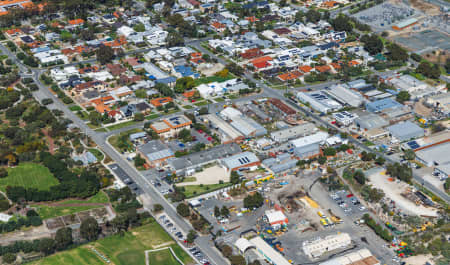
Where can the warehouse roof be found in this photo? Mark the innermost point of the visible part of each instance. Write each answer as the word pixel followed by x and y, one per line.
pixel 243 244
pixel 406 129
pixel 240 160
pixel 406 22
pixel 382 104
pixel 205 156
pixel 370 121
pixel 275 216
pixel 343 94
pixel 223 126
pixel 436 154
pixel 316 138
pixel 292 132
pixel 155 150
pixel 269 253
pixel 248 126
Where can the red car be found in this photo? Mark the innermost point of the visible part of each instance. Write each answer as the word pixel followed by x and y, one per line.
pixel 350 195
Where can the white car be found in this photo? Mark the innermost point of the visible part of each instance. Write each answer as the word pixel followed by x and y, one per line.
pixel 362 208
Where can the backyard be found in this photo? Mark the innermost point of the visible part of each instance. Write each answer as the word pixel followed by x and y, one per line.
pixel 127 250
pixel 29 175
pixel 195 190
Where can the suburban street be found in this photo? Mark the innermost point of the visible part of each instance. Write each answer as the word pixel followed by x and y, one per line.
pixel 100 138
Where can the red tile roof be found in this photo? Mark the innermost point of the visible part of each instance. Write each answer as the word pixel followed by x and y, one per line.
pixel 305 68
pixel 323 68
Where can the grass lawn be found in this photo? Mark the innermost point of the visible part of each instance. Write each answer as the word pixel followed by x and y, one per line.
pixel 210 79
pixel 127 250
pixel 190 179
pixel 29 175
pixel 101 130
pixel 75 108
pixel 99 155
pixel 201 103
pixel 152 116
pixel 121 125
pixel 219 99
pixel 163 256
pixel 92 126
pixel 114 140
pixel 195 190
pixel 187 107
pixel 46 212
pixel 82 115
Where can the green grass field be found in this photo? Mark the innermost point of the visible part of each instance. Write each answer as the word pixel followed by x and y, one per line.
pixel 99 155
pixel 114 140
pixel 29 175
pixel 195 190
pixel 152 116
pixel 126 250
pixel 163 256
pixel 75 108
pixel 121 125
pixel 46 212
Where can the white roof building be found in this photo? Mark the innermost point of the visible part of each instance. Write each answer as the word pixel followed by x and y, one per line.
pixel 230 113
pixel 317 138
pixel 101 75
pixel 265 251
pixel 345 95
pixel 243 244
pixel 359 257
pixel 125 31
pixel 318 247
pixel 319 101
pixel 276 217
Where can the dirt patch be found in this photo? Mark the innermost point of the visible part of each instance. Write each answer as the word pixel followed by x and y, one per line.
pixel 419 260
pixel 425 7
pixel 210 175
pixel 421 109
pixel 209 69
pixel 51 142
pixel 437 56
pixel 394 190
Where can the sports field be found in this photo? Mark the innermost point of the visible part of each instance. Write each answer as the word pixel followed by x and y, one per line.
pixel 126 250
pixel 29 175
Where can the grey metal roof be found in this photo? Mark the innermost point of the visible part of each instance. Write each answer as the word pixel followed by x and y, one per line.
pixel 370 121
pixel 291 163
pixel 406 130
pixel 240 160
pixel 137 135
pixel 155 150
pixel 203 157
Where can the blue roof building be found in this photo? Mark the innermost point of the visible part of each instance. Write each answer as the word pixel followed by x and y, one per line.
pixel 186 71
pixel 382 104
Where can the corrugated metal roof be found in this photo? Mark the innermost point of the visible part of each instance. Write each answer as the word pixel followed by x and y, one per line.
pixel 240 160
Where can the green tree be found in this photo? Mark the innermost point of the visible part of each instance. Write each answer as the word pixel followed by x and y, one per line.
pixel 183 210
pixel 63 238
pixel 359 177
pixel 139 116
pixel 184 83
pixel 224 211
pixel 372 43
pixel 105 54
pixel 329 151
pixel 89 229
pixel 217 211
pixel 380 160
pixel 3 172
pixel 409 154
pixel 342 23
pixel 237 260
pixel 139 161
pixel 174 39
pixel 191 236
pixel 9 258
pixel 299 16
pixel 227 251
pixel 47 246
pixel 322 160
pixel 313 16
pixel 403 96
pixel 396 53
pixel 157 208
pixel 139 27
pixel 234 177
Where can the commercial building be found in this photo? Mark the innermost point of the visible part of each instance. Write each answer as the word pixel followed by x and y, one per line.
pixel 405 23
pixel 170 127
pixel 198 159
pixel 318 247
pixel 267 252
pixel 227 133
pixel 344 118
pixel 359 257
pixel 379 105
pixel 405 131
pixel 248 127
pixel 317 138
pixel 369 121
pixel 281 106
pixel 155 153
pixel 435 155
pixel 319 101
pixel 276 219
pixel 343 94
pixel 415 87
pixel 242 244
pixel 293 132
pixel 241 161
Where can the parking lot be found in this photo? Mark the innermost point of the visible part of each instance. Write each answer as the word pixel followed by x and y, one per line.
pixel 125 178
pixel 156 178
pixel 348 202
